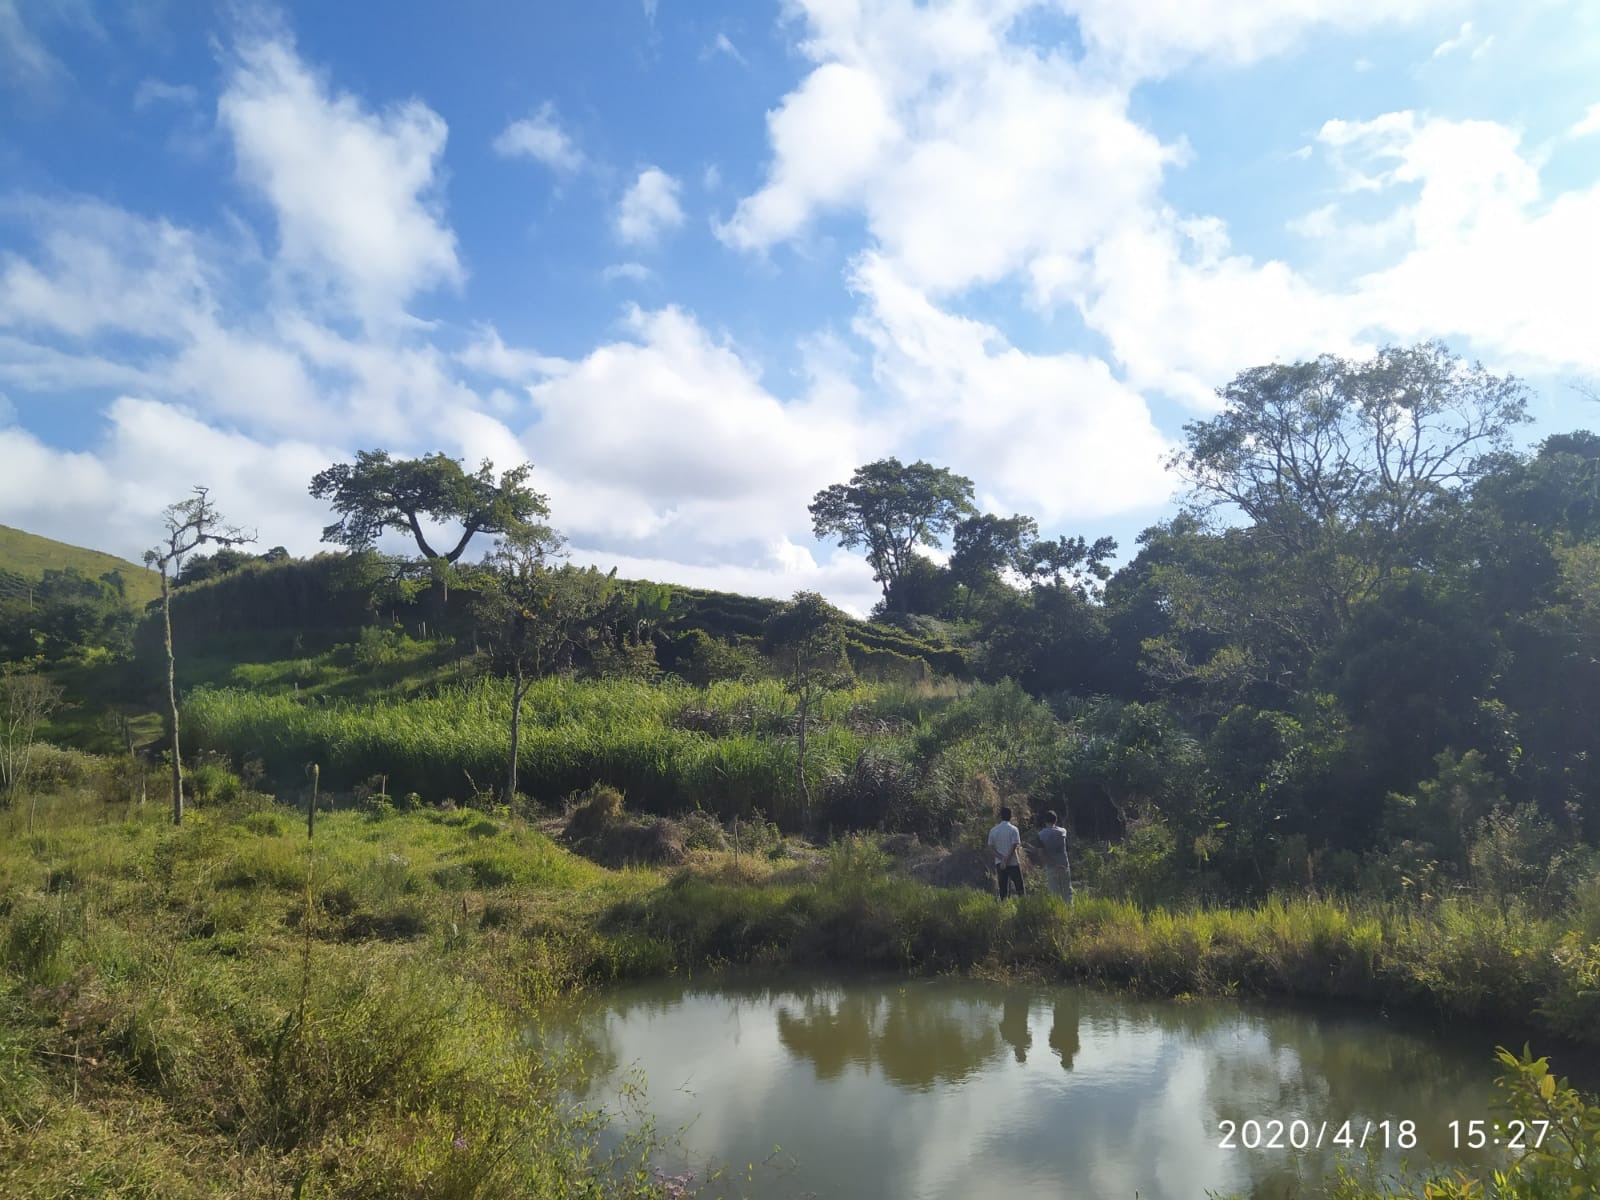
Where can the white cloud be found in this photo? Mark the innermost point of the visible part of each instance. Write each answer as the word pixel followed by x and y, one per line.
pixel 492 356
pixel 669 440
pixel 1490 256
pixel 101 269
pixel 152 453
pixel 827 138
pixel 354 191
pixel 1588 123
pixel 541 138
pixel 650 208
pixel 1054 435
pixel 1157 36
pixel 1184 314
pixel 1462 39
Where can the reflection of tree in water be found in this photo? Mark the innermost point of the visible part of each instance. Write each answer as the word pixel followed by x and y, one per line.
pixel 1014 1026
pixel 916 1039
pixel 1064 1029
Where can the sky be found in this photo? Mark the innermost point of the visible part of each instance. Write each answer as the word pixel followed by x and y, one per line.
pixel 696 262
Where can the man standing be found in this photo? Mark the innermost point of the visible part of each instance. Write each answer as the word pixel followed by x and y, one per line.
pixel 1057 871
pixel 1006 842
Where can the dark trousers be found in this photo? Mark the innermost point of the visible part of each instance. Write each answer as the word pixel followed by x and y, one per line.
pixel 1009 877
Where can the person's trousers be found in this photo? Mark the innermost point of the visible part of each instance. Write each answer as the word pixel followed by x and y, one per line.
pixel 1058 878
pixel 1009 877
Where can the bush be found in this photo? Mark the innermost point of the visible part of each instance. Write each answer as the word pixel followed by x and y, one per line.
pixel 700 831
pixel 595 812
pixel 1520 854
pixel 52 768
pixel 212 781
pixel 265 823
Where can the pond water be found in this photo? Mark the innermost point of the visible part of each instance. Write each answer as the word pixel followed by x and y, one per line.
pixel 939 1088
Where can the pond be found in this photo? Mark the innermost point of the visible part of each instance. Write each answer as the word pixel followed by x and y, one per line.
pixel 941 1088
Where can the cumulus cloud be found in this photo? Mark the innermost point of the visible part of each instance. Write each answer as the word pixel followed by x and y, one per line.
pixel 1054 435
pixel 1588 123
pixel 490 355
pixel 827 139
pixel 671 436
pixel 112 496
pixel 1489 255
pixel 355 192
pixel 650 208
pixel 541 138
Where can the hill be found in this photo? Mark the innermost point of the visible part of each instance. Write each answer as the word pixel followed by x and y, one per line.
pixel 29 555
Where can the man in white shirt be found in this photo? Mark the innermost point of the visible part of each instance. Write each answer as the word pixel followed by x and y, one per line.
pixel 1005 840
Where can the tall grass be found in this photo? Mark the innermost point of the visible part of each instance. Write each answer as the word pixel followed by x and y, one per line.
pixel 630 735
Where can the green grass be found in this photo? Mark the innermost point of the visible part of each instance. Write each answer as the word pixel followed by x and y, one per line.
pixel 669 748
pixel 176 981
pixel 30 555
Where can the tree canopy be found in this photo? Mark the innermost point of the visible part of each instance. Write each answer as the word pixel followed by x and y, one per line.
pixel 891 509
pixel 377 492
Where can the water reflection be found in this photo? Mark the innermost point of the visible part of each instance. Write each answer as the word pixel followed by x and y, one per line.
pixel 1064 1029
pixel 934 1089
pixel 1014 1026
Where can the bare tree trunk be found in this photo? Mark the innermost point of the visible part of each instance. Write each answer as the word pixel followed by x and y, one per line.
pixel 172 700
pixel 517 690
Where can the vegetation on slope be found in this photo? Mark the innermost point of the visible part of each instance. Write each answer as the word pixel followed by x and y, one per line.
pixel 30 556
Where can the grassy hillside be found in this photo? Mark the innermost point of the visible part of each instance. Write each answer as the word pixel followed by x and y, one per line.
pixel 30 556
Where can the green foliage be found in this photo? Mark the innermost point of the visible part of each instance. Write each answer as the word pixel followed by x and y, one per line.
pixel 891 509
pixel 377 492
pixel 27 556
pixel 1446 810
pixel 63 617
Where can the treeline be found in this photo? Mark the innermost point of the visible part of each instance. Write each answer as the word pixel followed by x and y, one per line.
pixel 1371 636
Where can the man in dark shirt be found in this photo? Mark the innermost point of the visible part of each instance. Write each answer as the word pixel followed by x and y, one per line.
pixel 1057 871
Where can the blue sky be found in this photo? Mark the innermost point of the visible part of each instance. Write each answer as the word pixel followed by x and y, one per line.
pixel 696 262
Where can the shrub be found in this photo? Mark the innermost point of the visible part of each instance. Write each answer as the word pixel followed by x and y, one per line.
pixel 595 812
pixel 53 768
pixel 700 831
pixel 211 780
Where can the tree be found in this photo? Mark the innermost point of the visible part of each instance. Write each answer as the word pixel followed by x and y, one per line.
pixel 891 509
pixel 376 492
pixel 26 701
pixel 806 637
pixel 212 566
pixel 1072 563
pixel 190 523
pixel 536 617
pixel 1344 466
